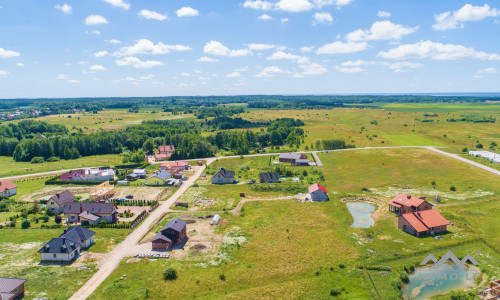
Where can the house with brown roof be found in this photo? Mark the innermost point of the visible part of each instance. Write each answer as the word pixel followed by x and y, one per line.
pixel 223 176
pixel 318 192
pixel 296 159
pixel 402 204
pixel 11 288
pixel 182 165
pixel 57 202
pixel 422 223
pixel 166 149
pixel 171 234
pixel 91 213
pixel 7 188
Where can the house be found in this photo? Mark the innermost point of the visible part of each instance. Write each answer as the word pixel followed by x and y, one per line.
pixel 7 188
pixel 269 177
pixel 424 222
pixel 132 177
pixel 296 159
pixel 223 176
pixel 57 202
pixel 182 165
pixel 171 234
pixel 141 173
pixel 162 156
pixel 167 149
pixel 318 192
pixel 11 288
pixel 89 174
pixel 68 245
pixel 159 178
pixel 402 204
pixel 91 213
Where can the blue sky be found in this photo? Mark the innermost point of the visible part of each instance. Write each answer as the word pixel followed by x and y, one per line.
pixel 120 48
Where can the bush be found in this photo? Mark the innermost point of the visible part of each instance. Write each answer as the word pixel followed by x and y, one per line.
pixel 336 291
pixel 479 146
pixel 37 160
pixel 222 277
pixel 196 185
pixel 58 219
pixel 169 274
pixel 404 277
pixel 465 150
pixel 453 188
pixel 25 224
pixel 53 159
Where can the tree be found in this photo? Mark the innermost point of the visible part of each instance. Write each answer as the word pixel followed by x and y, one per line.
pixel 149 146
pixel 170 274
pixel 18 153
pixel 58 219
pixel 25 224
pixel 304 173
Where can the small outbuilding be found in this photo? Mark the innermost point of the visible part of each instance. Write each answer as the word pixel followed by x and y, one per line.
pixel 11 288
pixel 171 234
pixel 318 192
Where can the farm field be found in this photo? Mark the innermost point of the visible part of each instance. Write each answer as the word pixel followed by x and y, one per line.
pixel 13 168
pixel 278 247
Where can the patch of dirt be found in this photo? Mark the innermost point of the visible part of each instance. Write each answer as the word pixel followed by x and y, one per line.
pixel 132 260
pixel 91 256
pixel 203 242
pixel 142 192
pixel 52 190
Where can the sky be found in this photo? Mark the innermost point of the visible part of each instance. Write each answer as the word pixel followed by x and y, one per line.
pixel 131 48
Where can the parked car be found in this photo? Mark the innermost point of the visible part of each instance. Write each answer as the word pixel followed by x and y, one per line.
pixel 250 182
pixel 129 197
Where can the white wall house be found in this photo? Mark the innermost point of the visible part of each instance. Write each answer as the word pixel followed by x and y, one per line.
pixel 7 188
pixel 223 176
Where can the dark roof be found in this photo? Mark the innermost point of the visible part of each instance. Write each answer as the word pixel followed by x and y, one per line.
pixel 82 233
pixel 6 296
pixel 269 176
pixel 7 285
pixel 163 175
pixel 225 173
pixel 63 197
pixel 160 236
pixel 290 155
pixel 96 208
pixel 175 224
pixel 88 216
pixel 59 245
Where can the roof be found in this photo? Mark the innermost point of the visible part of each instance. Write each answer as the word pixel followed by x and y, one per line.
pixel 173 164
pixel 82 232
pixel 290 155
pixel 269 176
pixel 225 173
pixel 75 173
pixel 6 296
pixel 166 148
pixel 59 245
pixel 163 175
pixel 7 185
pixel 164 155
pixel 425 220
pixel 98 208
pixel 7 284
pixel 139 171
pixel 88 216
pixel 63 197
pixel 160 236
pixel 175 224
pixel 406 200
pixel 315 187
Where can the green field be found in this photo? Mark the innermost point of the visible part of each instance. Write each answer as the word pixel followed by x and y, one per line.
pixel 411 140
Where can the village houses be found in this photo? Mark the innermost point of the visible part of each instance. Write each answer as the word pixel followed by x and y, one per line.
pixel 318 192
pixel 269 177
pixel 164 152
pixel 7 188
pixel 296 159
pixel 91 213
pixel 89 174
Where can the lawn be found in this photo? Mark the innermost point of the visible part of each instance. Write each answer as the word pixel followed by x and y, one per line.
pixel 411 140
pixel 12 168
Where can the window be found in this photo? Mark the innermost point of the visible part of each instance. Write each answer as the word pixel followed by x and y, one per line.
pixel 54 255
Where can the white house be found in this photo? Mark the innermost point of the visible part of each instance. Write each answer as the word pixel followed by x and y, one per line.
pixel 318 192
pixel 223 176
pixel 7 188
pixel 68 245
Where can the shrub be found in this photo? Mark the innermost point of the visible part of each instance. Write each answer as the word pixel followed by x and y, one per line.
pixel 37 160
pixel 58 219
pixel 404 277
pixel 336 291
pixel 479 146
pixel 25 224
pixel 53 159
pixel 196 185
pixel 169 274
pixel 465 150
pixel 453 188
pixel 222 277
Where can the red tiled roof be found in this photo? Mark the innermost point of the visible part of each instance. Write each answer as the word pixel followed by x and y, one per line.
pixel 425 220
pixel 7 185
pixel 406 200
pixel 167 148
pixel 174 164
pixel 313 188
pixel 164 155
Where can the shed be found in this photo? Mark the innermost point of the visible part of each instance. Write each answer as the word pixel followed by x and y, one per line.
pixel 181 204
pixel 215 220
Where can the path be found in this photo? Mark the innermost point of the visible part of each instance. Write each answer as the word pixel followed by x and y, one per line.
pixel 470 162
pixel 316 158
pixel 112 259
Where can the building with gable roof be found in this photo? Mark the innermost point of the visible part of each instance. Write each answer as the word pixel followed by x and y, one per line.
pixel 318 192
pixel 223 176
pixel 422 223
pixel 11 288
pixel 68 245
pixel 7 188
pixel 403 203
pixel 173 233
pixel 57 202
pixel 91 213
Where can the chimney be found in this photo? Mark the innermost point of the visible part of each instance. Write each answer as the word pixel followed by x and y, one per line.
pixel 81 208
pixel 408 196
pixel 423 197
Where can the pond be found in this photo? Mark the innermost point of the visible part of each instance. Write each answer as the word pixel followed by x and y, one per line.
pixel 361 212
pixel 426 282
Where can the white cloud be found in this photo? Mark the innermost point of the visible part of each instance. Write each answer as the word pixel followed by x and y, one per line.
pixel 101 53
pixel 118 3
pixel 294 5
pixel 381 30
pixel 62 76
pixel 113 41
pixel 20 64
pixel 468 13
pixel 383 14
pixel 313 69
pixel 217 48
pixel 339 47
pixel 97 68
pixel 83 62
pixel 8 53
pixel 4 73
pixel 337 3
pixel 270 72
pixel 350 70
pixel 323 18
pixel 307 49
pixel 145 46
pixel 487 71
pixel 242 69
pixel 207 59
pixel 147 77
pixel 260 47
pixel 187 12
pixel 356 63
pixel 65 8
pixel 265 17
pixel 96 32
pixel 95 20
pixel 402 66
pixel 185 74
pixel 283 20
pixel 137 63
pixel 73 81
pixel 258 4
pixel 280 55
pixel 233 75
pixel 436 51
pixel 149 14
pixel 477 76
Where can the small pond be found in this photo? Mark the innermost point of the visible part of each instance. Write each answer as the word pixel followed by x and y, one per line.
pixel 426 282
pixel 361 212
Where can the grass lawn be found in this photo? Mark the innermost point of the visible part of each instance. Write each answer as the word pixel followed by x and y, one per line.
pixel 12 168
pixel 411 140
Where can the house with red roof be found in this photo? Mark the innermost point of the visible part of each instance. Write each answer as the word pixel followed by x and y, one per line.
pixel 167 149
pixel 318 192
pixel 7 188
pixel 422 223
pixel 402 204
pixel 183 165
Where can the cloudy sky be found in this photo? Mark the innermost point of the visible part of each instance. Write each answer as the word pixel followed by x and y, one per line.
pixel 92 48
